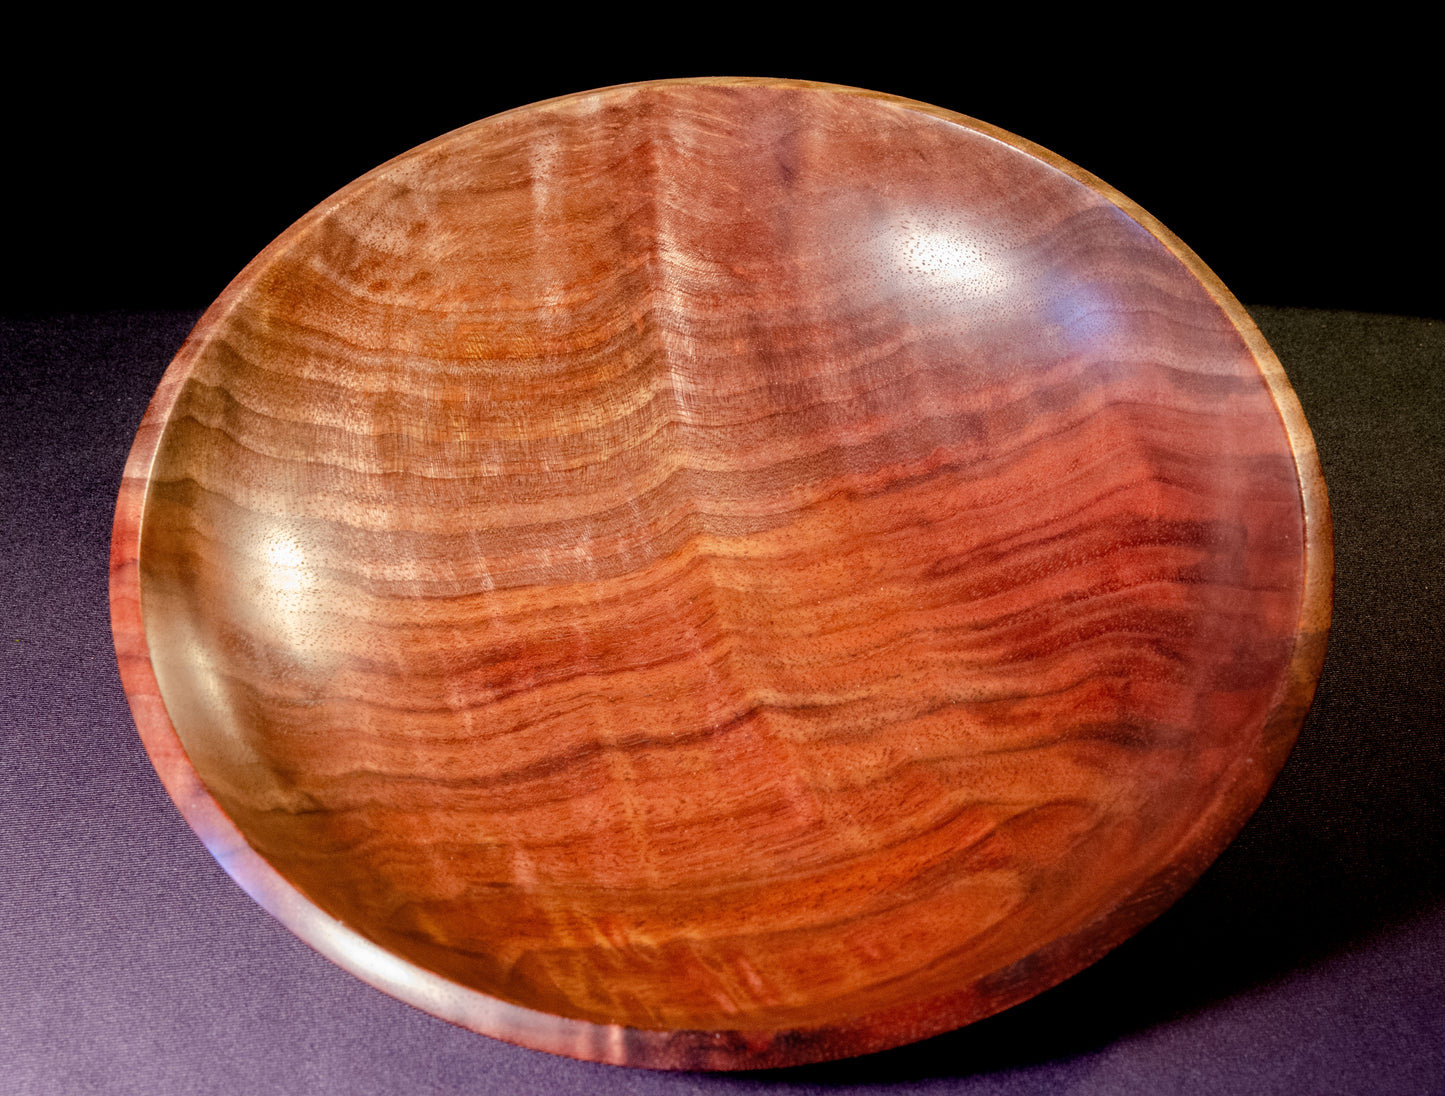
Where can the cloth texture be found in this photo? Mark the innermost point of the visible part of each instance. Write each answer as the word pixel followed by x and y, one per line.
pixel 1310 957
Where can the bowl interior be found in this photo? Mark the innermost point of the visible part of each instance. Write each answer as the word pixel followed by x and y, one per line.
pixel 724 557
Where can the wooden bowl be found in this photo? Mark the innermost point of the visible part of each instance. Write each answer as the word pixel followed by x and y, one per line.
pixel 721 573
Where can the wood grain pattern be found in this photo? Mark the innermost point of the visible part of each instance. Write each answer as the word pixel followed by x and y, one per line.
pixel 715 574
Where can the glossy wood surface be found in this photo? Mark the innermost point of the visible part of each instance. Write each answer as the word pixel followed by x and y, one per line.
pixel 719 574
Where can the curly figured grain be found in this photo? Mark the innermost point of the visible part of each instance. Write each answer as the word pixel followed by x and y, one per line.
pixel 721 573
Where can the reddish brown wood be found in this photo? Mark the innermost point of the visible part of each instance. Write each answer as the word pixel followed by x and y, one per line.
pixel 721 573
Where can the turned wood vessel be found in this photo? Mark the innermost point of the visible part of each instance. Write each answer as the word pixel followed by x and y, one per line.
pixel 721 573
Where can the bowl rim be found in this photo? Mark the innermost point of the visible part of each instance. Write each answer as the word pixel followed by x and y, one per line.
pixel 1245 784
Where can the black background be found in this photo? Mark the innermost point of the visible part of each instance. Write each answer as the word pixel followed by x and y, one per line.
pixel 1294 163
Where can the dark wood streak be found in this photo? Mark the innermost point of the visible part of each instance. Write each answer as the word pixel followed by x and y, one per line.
pixel 718 574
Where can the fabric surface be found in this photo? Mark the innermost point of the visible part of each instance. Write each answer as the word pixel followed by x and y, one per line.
pixel 1310 958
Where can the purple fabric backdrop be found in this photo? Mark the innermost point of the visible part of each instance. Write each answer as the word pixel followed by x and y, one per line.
pixel 1311 958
